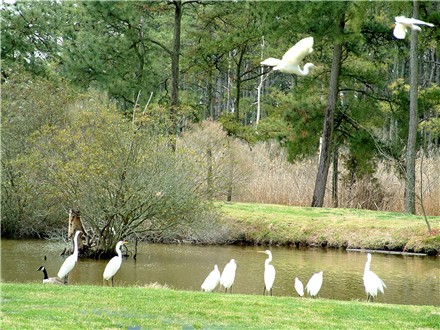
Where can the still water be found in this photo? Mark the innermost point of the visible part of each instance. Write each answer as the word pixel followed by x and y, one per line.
pixel 409 279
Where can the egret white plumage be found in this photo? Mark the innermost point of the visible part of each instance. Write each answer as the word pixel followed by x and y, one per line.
pixel 291 60
pixel 314 284
pixel 228 275
pixel 403 24
pixel 212 280
pixel 269 273
pixel 70 262
pixel 50 280
pixel 114 264
pixel 299 287
pixel 372 282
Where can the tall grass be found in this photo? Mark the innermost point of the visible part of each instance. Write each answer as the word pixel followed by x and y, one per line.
pixel 274 180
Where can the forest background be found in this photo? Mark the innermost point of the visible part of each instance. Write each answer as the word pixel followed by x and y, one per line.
pixel 143 113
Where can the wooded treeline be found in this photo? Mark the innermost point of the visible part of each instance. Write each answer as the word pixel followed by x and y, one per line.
pixel 104 104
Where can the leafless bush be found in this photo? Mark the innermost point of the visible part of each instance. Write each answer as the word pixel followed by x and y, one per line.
pixel 275 180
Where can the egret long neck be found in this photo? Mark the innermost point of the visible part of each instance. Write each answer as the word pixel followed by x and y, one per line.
pixel 367 266
pixel 75 240
pixel 268 260
pixel 306 70
pixel 118 251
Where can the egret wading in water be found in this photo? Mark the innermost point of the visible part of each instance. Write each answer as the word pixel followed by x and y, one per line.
pixel 269 273
pixel 372 282
pixel 403 24
pixel 50 280
pixel 114 264
pixel 70 262
pixel 314 284
pixel 299 287
pixel 228 275
pixel 212 280
pixel 291 60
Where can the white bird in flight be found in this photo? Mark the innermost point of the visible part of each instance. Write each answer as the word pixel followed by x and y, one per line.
pixel 403 24
pixel 212 280
pixel 372 282
pixel 292 58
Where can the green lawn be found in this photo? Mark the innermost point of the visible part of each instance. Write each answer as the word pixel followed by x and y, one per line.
pixel 351 228
pixel 38 306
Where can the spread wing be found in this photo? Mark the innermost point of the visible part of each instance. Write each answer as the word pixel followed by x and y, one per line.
pixel 411 21
pixel 297 53
pixel 270 61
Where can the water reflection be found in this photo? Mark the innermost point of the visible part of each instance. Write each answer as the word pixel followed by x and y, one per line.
pixel 409 279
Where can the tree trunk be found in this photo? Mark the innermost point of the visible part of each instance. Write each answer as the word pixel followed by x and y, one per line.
pixel 335 197
pixel 325 154
pixel 410 197
pixel 238 83
pixel 175 56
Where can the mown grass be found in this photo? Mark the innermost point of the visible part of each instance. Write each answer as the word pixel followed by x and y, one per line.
pixel 38 306
pixel 339 228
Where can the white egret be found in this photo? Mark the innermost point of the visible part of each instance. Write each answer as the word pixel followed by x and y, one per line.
pixel 70 262
pixel 50 280
pixel 228 275
pixel 114 264
pixel 212 280
pixel 403 24
pixel 299 287
pixel 292 58
pixel 314 284
pixel 372 282
pixel 269 273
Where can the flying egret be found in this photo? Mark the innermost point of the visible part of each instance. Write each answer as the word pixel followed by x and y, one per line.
pixel 314 284
pixel 299 287
pixel 50 280
pixel 70 262
pixel 228 275
pixel 114 264
pixel 372 282
pixel 269 273
pixel 292 58
pixel 403 24
pixel 212 280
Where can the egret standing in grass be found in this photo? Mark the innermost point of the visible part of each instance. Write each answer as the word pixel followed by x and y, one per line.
pixel 291 60
pixel 403 24
pixel 372 282
pixel 70 262
pixel 314 284
pixel 212 280
pixel 299 287
pixel 50 280
pixel 114 264
pixel 269 273
pixel 228 275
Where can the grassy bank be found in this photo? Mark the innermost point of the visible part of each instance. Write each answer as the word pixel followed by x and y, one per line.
pixel 326 227
pixel 38 306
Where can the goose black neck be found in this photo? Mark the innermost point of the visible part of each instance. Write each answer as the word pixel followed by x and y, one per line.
pixel 45 273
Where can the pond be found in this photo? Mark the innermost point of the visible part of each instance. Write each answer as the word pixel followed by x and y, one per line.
pixel 409 279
